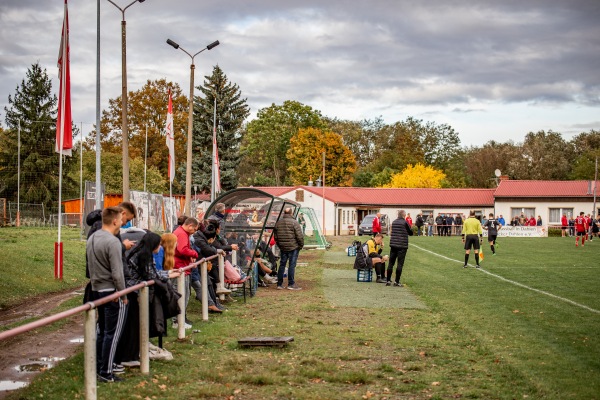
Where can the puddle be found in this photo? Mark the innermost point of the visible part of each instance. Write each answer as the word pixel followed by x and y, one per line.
pixel 33 367
pixel 12 385
pixel 48 359
pixel 77 340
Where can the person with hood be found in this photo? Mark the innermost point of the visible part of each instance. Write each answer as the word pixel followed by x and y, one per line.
pixel 204 239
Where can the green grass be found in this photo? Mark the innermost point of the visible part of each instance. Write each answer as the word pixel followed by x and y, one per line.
pixel 27 259
pixel 478 337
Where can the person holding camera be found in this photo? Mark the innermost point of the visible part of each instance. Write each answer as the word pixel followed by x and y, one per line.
pixel 470 232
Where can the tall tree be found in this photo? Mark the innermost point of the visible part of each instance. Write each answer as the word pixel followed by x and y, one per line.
pixel 586 147
pixel 543 156
pixel 361 137
pixel 232 110
pixel 481 162
pixel 305 158
pixel 418 176
pixel 267 139
pixel 147 109
pixel 34 107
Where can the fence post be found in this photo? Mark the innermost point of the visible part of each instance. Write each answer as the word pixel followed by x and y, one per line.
pixel 144 330
pixel 221 286
pixel 181 302
pixel 89 352
pixel 204 280
pixel 234 257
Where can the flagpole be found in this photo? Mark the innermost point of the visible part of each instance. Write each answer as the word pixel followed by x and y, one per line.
pixel 214 157
pixel 58 248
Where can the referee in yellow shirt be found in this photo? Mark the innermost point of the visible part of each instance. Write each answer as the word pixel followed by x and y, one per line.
pixel 472 229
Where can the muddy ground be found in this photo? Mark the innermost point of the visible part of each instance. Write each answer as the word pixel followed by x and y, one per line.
pixel 23 356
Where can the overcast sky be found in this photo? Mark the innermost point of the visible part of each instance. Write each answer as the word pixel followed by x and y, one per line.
pixel 490 69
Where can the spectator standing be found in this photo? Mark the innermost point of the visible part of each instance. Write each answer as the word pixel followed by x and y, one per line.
pixel 184 256
pixel 449 222
pixel 398 247
pixel 409 220
pixel 458 221
pixel 472 229
pixel 539 221
pixel 501 220
pixel 290 240
pixel 105 263
pixel 492 226
pixel 376 224
pixel 532 221
pixel 439 223
pixel 419 224
pixel 430 221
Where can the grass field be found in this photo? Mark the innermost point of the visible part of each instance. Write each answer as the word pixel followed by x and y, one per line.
pixel 27 260
pixel 527 325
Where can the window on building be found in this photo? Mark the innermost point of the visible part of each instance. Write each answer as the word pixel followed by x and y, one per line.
pixel 299 195
pixel 518 212
pixel 343 216
pixel 555 214
pixel 426 213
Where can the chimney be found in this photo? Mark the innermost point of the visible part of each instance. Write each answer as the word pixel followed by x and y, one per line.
pixel 310 181
pixel 504 177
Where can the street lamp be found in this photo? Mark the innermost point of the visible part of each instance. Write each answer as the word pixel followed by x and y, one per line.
pixel 124 130
pixel 188 166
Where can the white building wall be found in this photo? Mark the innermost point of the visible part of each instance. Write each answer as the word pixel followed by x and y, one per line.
pixel 542 208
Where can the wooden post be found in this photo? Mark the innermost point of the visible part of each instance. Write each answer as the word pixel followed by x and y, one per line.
pixel 221 288
pixel 144 330
pixel 89 354
pixel 181 302
pixel 204 279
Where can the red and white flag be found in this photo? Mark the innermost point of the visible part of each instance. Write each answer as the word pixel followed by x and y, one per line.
pixel 64 129
pixel 170 139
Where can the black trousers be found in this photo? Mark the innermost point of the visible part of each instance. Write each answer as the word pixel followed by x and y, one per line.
pixel 396 254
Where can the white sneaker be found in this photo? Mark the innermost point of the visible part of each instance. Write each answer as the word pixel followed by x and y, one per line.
pixel 160 354
pixel 130 364
pixel 186 326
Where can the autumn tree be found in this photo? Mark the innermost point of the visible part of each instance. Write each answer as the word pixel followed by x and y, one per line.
pixel 586 148
pixel 481 162
pixel 112 173
pixel 34 107
pixel 267 140
pixel 361 137
pixel 232 110
pixel 418 176
pixel 305 158
pixel 147 109
pixel 543 156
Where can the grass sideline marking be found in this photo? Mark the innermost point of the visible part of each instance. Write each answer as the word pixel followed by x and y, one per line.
pixel 514 282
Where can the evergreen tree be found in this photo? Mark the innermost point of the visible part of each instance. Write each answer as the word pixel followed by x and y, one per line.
pixel 34 106
pixel 231 113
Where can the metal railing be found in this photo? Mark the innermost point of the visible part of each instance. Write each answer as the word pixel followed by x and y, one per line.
pixel 89 347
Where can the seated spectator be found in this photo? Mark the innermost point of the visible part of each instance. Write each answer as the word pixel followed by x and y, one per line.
pixel 203 243
pixel 264 269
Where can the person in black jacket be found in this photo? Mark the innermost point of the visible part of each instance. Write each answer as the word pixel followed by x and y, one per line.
pixel 398 247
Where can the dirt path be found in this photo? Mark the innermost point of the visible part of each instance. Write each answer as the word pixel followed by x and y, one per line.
pixel 26 355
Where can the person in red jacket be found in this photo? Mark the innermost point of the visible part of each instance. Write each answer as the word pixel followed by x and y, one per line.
pixel 581 229
pixel 376 224
pixel 564 222
pixel 531 221
pixel 409 220
pixel 184 256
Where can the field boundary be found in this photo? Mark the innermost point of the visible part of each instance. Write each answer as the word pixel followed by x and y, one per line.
pixel 514 282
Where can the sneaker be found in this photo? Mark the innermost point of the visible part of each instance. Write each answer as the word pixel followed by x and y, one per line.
pixel 465 266
pixel 576 244
pixel 160 354
pixel 477 266
pixel 379 280
pixel 388 283
pixel 107 378
pixel 188 322
pixel 130 364
pixel 294 287
pixel 398 284
pixel 493 254
pixel 186 326
pixel 280 287
pixel 118 368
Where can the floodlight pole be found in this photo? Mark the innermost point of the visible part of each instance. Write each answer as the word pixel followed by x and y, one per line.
pixel 188 164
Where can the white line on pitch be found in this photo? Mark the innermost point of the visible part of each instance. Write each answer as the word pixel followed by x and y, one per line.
pixel 515 283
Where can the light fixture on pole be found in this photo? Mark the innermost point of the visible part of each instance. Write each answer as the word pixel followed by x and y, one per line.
pixel 188 164
pixel 124 130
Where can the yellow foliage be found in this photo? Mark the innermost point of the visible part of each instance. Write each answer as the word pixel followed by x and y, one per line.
pixel 305 158
pixel 418 176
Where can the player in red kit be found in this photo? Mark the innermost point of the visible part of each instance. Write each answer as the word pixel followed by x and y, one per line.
pixel 581 229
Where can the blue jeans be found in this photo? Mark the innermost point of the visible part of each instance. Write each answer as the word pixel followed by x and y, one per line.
pixel 429 230
pixel 292 256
